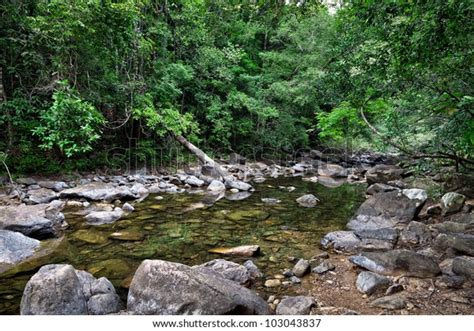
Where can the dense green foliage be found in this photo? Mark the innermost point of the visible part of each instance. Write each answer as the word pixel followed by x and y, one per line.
pixel 85 76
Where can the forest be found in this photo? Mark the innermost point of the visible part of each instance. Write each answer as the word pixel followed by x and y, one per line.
pixel 79 78
pixel 237 157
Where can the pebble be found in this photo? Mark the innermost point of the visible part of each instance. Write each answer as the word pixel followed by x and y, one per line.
pixel 272 283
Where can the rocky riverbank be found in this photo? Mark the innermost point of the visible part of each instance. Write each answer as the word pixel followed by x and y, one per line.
pixel 406 250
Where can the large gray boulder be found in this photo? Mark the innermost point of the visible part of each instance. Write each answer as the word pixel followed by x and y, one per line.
pixel 397 261
pixel 54 290
pixel 37 221
pixel 384 210
pixel 166 288
pixel 299 305
pixel 227 269
pixel 59 289
pixel 16 247
pixel 101 191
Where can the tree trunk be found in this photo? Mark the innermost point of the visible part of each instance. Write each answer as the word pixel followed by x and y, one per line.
pixel 203 157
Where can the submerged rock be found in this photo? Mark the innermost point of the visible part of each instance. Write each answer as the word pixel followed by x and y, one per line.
pixel 299 305
pixel 104 217
pixel 90 236
pixel 166 288
pixel 307 200
pixel 247 250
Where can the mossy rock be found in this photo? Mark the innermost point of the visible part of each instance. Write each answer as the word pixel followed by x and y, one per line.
pixel 90 236
pixel 257 215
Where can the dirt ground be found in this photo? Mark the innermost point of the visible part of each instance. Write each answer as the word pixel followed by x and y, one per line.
pixel 335 293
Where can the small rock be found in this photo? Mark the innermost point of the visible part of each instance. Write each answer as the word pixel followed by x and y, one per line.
pixel 324 267
pixel 378 188
pixel 301 268
pixel 253 269
pixel 128 207
pixel 395 288
pixel 295 280
pixel 299 305
pixel 216 186
pixel 452 202
pixel 370 282
pixel 272 283
pixel 391 302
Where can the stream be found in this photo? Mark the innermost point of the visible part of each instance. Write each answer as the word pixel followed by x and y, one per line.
pixel 183 227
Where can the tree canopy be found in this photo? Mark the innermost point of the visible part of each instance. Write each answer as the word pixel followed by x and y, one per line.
pixel 233 75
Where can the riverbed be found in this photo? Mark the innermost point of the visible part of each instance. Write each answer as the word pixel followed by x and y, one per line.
pixel 184 227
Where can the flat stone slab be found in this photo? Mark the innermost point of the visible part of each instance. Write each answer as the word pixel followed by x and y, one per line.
pixel 247 250
pixel 100 191
pixel 16 247
pixel 396 262
pixel 384 210
pixel 37 221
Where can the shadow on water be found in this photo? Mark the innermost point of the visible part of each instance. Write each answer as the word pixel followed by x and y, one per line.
pixel 183 227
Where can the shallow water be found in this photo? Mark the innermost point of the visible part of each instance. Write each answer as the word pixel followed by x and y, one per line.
pixel 183 227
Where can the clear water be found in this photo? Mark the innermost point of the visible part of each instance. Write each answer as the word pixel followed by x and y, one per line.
pixel 183 227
